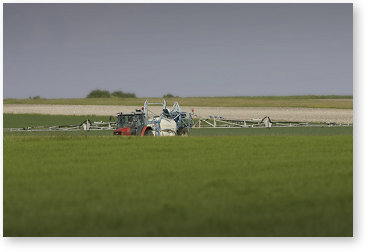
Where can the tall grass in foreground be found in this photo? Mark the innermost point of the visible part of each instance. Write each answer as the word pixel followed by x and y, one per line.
pixel 203 186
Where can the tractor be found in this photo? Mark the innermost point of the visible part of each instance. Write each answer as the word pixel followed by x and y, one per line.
pixel 144 122
pixel 132 124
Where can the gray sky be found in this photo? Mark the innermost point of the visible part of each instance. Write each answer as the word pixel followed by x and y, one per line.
pixel 66 50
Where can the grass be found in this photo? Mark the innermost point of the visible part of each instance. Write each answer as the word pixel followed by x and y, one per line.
pixel 310 101
pixel 295 131
pixel 241 182
pixel 31 120
pixel 195 186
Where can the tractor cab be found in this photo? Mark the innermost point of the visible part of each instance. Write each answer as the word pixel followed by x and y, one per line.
pixel 130 120
pixel 130 124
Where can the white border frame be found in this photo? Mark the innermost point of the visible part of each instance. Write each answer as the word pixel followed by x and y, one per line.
pixel 222 244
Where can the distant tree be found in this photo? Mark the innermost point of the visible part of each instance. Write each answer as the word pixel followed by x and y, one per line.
pixel 36 97
pixel 169 96
pixel 121 94
pixel 97 93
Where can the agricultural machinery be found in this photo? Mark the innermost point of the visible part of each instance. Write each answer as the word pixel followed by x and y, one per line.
pixel 143 122
pixel 170 122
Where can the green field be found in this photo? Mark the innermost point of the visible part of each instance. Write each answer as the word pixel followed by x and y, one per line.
pixel 31 120
pixel 304 131
pixel 235 182
pixel 309 101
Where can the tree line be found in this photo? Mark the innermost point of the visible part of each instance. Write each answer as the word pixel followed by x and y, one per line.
pixel 97 93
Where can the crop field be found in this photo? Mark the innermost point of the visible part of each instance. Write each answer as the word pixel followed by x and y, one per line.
pixel 310 101
pixel 31 120
pixel 226 182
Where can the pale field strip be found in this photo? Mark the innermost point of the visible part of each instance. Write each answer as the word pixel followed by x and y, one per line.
pixel 275 113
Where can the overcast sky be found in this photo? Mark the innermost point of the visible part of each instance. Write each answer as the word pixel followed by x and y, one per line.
pixel 66 50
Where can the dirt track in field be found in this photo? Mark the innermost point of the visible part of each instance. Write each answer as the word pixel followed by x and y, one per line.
pixel 287 114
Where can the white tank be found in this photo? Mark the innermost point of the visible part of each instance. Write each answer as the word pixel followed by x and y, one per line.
pixel 168 127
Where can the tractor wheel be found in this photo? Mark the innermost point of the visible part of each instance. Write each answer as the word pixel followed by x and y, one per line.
pixel 148 132
pixel 183 132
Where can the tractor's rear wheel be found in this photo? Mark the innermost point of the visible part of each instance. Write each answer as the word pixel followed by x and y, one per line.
pixel 148 132
pixel 183 132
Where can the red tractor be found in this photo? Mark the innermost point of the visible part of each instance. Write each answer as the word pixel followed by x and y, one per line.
pixel 133 124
